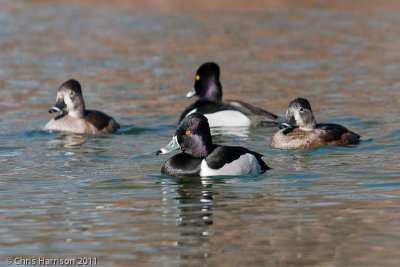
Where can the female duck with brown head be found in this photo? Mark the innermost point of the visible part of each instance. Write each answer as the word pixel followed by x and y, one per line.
pixel 304 132
pixel 74 117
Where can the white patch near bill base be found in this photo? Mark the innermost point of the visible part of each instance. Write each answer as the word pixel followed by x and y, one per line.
pixel 245 164
pixel 226 118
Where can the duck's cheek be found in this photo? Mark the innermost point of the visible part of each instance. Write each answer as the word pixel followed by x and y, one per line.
pixel 185 146
pixel 297 118
pixel 68 102
pixel 193 146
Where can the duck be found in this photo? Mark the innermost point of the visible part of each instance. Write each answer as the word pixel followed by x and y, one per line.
pixel 301 130
pixel 223 113
pixel 74 117
pixel 200 157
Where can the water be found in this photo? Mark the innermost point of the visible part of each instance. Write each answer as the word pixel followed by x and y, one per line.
pixel 65 195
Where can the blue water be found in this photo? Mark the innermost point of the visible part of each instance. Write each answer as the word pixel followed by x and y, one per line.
pixel 68 195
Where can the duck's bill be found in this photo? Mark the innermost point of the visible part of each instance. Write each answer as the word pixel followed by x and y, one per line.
pixel 173 145
pixel 191 93
pixel 60 105
pixel 290 121
pixel 284 125
pixel 54 109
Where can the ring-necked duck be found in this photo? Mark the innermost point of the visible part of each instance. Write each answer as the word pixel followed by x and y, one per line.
pixel 220 113
pixel 200 157
pixel 74 117
pixel 304 132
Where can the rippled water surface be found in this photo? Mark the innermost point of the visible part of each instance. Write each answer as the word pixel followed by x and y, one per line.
pixel 64 195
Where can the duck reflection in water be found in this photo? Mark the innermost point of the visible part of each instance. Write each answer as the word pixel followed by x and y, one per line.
pixel 241 133
pixel 192 198
pixel 68 140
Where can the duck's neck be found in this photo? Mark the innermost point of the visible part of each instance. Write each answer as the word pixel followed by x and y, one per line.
pixel 213 92
pixel 77 113
pixel 309 126
pixel 78 110
pixel 204 147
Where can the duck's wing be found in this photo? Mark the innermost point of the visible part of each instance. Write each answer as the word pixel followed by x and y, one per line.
pixel 101 121
pixel 337 133
pixel 222 155
pixel 258 116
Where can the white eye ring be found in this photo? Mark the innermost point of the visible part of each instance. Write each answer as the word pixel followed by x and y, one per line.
pixel 71 94
pixel 301 109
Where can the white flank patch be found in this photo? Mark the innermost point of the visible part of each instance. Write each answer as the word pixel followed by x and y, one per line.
pixel 245 164
pixel 226 118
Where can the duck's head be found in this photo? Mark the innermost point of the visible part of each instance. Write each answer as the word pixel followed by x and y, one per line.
pixel 69 99
pixel 192 137
pixel 206 84
pixel 299 114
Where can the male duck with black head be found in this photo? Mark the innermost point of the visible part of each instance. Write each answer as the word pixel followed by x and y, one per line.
pixel 200 157
pixel 223 113
pixel 304 132
pixel 74 117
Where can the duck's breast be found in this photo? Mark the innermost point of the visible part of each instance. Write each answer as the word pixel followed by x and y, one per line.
pixel 292 138
pixel 68 124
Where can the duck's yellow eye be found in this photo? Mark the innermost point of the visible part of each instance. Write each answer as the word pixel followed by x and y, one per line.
pixel 197 77
pixel 188 132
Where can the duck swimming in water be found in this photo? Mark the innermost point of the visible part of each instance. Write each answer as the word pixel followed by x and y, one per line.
pixel 74 117
pixel 304 132
pixel 200 157
pixel 223 113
